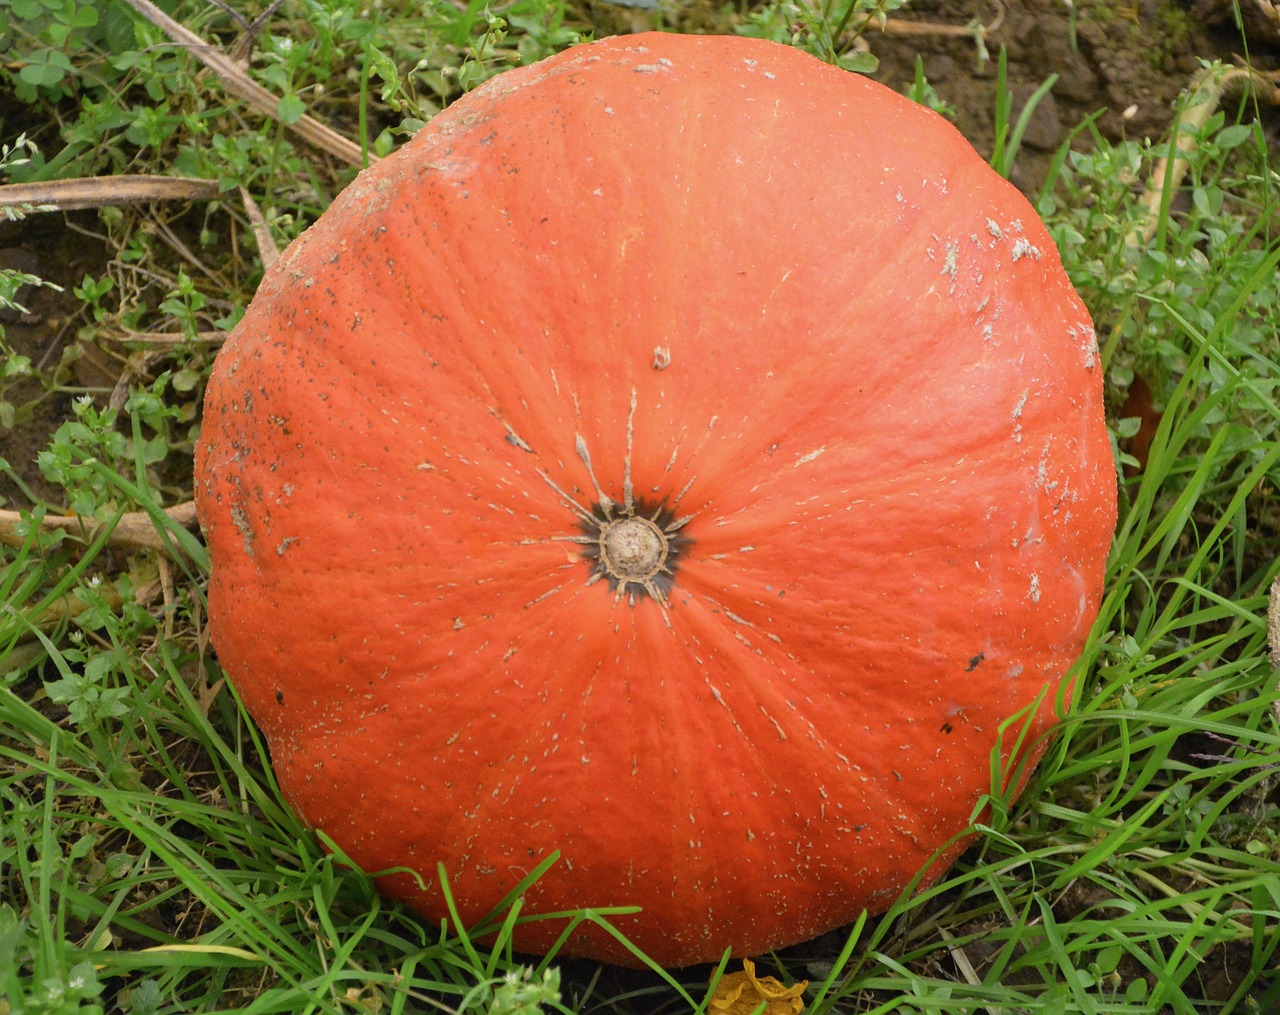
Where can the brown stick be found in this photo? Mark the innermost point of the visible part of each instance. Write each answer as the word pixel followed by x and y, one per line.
pixel 238 83
pixel 267 248
pixel 134 531
pixel 164 340
pixel 1205 93
pixel 1273 629
pixel 101 191
pixel 894 26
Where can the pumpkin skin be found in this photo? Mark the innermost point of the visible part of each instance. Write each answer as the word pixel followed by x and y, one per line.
pixel 784 311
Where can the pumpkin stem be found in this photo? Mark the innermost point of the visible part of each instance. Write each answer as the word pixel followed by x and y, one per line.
pixel 636 552
pixel 632 545
pixel 633 548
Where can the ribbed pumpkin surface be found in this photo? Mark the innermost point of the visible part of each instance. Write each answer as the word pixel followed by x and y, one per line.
pixel 785 312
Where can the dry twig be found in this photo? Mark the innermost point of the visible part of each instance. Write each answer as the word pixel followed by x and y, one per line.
pixel 101 191
pixel 134 531
pixel 1207 90
pixel 1273 629
pixel 267 249
pixel 238 83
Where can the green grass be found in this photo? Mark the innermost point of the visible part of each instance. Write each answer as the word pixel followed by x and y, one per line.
pixel 147 863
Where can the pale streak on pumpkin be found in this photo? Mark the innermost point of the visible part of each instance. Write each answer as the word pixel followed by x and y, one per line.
pixel 813 712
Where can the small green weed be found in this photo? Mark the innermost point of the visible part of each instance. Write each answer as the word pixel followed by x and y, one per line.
pixel 830 29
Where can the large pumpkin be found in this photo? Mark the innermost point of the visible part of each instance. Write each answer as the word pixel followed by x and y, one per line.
pixel 682 455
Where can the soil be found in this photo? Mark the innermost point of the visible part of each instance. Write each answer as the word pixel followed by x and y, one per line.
pixel 1123 65
pixel 1126 65
pixel 49 247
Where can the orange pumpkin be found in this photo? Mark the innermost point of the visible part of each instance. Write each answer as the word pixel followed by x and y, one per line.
pixel 682 455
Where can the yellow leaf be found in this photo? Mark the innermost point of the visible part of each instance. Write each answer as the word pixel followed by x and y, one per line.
pixel 743 994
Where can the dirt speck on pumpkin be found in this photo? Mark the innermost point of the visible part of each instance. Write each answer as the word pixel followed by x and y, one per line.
pixel 662 66
pixel 1022 247
pixel 241 521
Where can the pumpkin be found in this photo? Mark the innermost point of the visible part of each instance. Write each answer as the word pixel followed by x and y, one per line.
pixel 681 455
